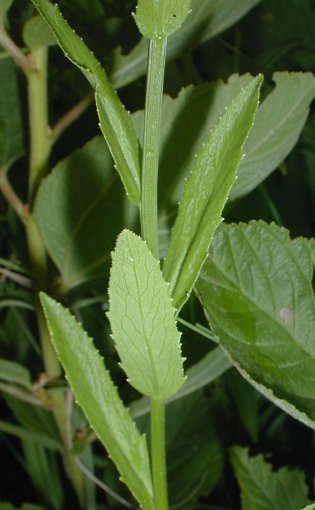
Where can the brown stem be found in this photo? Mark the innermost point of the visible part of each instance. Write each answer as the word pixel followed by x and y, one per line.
pixel 11 196
pixel 72 115
pixel 16 53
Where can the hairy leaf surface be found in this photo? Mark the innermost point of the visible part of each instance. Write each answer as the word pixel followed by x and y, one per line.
pixel 256 289
pixel 99 399
pixel 115 121
pixel 206 192
pixel 143 320
pixel 263 489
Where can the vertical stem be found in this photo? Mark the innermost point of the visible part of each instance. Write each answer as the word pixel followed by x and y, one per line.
pixel 158 454
pixel 150 162
pixel 38 118
pixel 40 147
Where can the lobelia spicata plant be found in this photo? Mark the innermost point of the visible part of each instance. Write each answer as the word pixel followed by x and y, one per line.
pixel 253 281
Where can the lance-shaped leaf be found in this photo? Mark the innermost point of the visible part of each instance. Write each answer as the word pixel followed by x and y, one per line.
pixel 157 19
pixel 115 121
pixel 99 399
pixel 206 191
pixel 263 489
pixel 256 289
pixel 143 320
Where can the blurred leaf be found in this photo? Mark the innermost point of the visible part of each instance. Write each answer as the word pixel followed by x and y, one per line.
pixel 99 399
pixel 159 20
pixel 11 133
pixel 206 192
pixel 27 435
pixel 13 372
pixel 245 399
pixel 4 7
pixel 277 127
pixel 142 320
pixel 25 506
pixel 42 468
pixel 209 368
pixel 194 452
pixel 115 121
pixel 85 197
pixel 309 507
pixel 36 33
pixel 263 489
pixel 256 289
pixel 207 19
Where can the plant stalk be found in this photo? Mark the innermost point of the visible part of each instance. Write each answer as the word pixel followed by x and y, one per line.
pixel 40 147
pixel 150 160
pixel 158 454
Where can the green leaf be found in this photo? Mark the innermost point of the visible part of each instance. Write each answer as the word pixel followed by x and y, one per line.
pixel 309 507
pixel 37 33
pixel 263 489
pixel 4 7
pixel 277 127
pixel 205 371
pixel 25 506
pixel 206 192
pixel 84 193
pixel 256 289
pixel 207 19
pixel 99 399
pixel 33 436
pixel 13 372
pixel 157 19
pixel 115 121
pixel 142 320
pixel 11 133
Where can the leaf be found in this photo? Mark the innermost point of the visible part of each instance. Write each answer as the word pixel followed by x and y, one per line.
pixel 142 320
pixel 115 121
pixel 33 436
pixel 11 133
pixel 206 192
pixel 205 371
pixel 207 19
pixel 86 199
pixel 4 7
pixel 309 507
pixel 263 489
pixel 256 289
pixel 37 33
pixel 99 399
pixel 278 124
pixel 13 372
pixel 157 19
pixel 194 451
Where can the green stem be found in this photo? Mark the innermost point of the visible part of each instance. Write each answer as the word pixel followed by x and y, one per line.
pixel 38 115
pixel 150 162
pixel 40 147
pixel 158 454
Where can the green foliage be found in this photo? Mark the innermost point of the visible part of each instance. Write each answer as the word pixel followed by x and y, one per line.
pixel 82 190
pixel 142 320
pixel 206 192
pixel 256 288
pixel 14 373
pixel 263 489
pixel 36 33
pixel 157 19
pixel 98 397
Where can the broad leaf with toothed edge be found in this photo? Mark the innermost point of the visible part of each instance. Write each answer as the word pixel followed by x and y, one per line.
pixel 143 320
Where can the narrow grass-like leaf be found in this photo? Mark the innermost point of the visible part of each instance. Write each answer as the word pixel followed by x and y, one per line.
pixel 206 192
pixel 115 121
pixel 13 372
pixel 99 399
pixel 263 489
pixel 256 289
pixel 143 320
pixel 157 19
